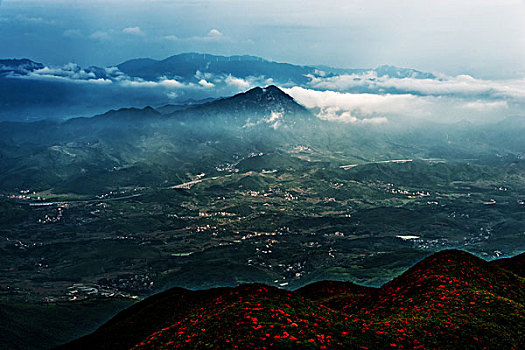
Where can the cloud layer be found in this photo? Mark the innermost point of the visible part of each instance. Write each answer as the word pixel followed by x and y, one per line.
pixel 463 85
pixel 365 96
pixel 202 85
pixel 370 108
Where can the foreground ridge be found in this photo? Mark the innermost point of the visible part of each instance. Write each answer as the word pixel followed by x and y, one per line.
pixel 451 299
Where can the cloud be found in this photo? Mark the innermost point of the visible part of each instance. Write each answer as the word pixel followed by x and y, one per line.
pixel 275 120
pixel 172 95
pixel 51 77
pixel 100 35
pixel 335 114
pixel 206 84
pixel 331 103
pixel 480 105
pixel 242 84
pixel 72 73
pixel 379 108
pixel 35 20
pixel 375 120
pixel 214 35
pixel 29 20
pixel 172 83
pixel 206 75
pixel 140 83
pixel 133 31
pixel 237 83
pixel 461 85
pixel 72 33
pixel 163 82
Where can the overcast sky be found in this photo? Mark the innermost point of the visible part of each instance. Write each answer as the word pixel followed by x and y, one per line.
pixel 478 37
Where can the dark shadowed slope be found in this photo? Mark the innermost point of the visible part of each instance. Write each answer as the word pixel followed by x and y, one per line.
pixel 515 264
pixel 451 299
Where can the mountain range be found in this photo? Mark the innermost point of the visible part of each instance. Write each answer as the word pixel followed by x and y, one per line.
pixel 31 90
pixel 451 299
pixel 187 65
pixel 88 149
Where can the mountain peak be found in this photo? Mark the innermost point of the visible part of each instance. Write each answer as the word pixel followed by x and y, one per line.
pixel 270 98
pixel 269 107
pixel 274 89
pixel 269 91
pixel 400 73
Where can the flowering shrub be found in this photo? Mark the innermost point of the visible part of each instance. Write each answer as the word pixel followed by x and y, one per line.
pixel 449 300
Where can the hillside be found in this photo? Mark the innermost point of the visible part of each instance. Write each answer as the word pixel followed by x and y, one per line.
pixel 451 299
pixel 140 140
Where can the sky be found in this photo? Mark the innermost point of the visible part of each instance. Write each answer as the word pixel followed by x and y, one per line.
pixel 475 48
pixel 485 39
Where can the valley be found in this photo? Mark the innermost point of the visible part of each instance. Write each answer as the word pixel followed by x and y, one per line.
pixel 99 213
pixel 242 227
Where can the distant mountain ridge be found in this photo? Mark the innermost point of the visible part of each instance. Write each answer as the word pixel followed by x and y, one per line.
pixel 186 66
pixel 19 66
pixel 451 299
